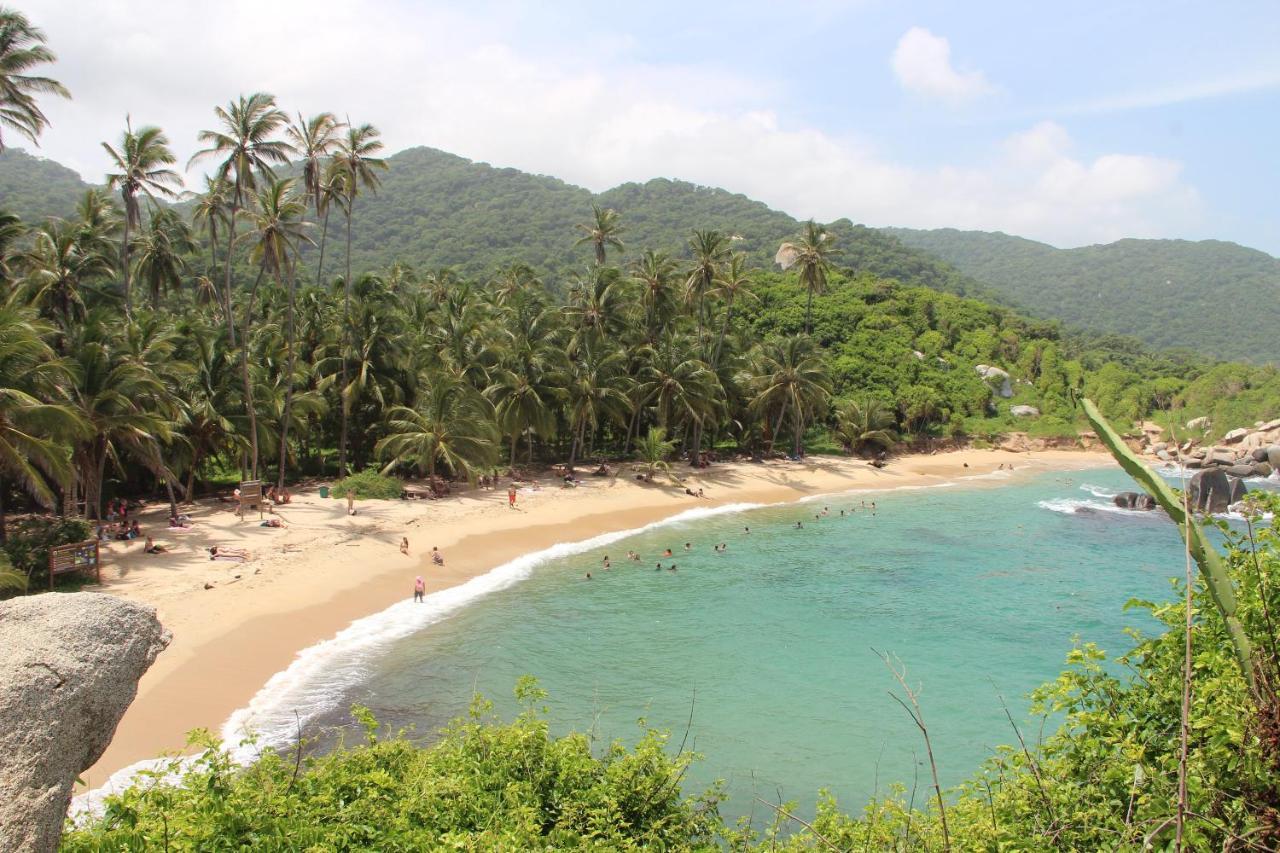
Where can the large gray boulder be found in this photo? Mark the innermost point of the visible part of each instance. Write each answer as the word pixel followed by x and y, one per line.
pixel 1024 411
pixel 1273 455
pixel 69 667
pixel 1213 490
pixel 998 379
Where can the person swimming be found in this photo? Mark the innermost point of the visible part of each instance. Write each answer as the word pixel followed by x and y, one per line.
pixel 666 553
pixel 799 525
pixel 688 546
pixel 746 530
pixel 658 567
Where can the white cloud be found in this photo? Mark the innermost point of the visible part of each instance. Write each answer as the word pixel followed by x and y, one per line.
pixel 439 78
pixel 922 63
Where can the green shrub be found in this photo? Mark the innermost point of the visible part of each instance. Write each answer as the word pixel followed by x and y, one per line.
pixel 369 484
pixel 483 786
pixel 30 539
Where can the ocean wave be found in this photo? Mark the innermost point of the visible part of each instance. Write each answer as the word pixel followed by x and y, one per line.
pixel 318 676
pixel 1098 491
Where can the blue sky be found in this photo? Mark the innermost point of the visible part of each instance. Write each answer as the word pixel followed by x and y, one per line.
pixel 1069 123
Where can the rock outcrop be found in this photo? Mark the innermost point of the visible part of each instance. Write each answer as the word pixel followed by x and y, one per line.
pixel 69 669
pixel 1213 490
pixel 998 379
pixel 1134 500
pixel 1024 411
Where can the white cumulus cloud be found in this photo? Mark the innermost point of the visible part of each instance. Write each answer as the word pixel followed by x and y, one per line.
pixel 922 63
pixel 431 76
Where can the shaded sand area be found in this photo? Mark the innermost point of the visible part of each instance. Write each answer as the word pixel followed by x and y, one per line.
pixel 308 580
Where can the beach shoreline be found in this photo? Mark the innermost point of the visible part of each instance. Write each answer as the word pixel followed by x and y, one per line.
pixel 236 625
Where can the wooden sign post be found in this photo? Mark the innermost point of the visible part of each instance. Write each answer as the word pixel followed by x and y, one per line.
pixel 250 496
pixel 77 557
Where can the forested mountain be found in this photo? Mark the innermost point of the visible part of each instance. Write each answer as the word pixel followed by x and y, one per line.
pixel 1218 298
pixel 32 188
pixel 435 209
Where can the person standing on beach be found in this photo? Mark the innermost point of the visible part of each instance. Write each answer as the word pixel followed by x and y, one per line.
pixel 419 589
pixel 511 496
pixel 351 502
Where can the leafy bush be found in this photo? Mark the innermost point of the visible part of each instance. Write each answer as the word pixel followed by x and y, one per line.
pixel 30 539
pixel 369 484
pixel 483 786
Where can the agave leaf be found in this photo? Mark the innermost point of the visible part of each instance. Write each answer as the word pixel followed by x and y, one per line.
pixel 1202 551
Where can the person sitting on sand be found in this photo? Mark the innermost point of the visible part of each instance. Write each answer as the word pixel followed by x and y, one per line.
pixel 436 556
pixel 134 530
pixel 404 545
pixel 272 522
pixel 180 522
pixel 152 548
pixel 103 535
pixel 284 495
pixel 700 494
pixel 419 589
pixel 688 491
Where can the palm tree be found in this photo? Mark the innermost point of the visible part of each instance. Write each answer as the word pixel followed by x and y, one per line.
pixel 710 250
pixel 21 49
pixel 141 162
pixel 452 425
pixel 730 285
pixel 604 231
pixel 162 252
pixel 596 390
pixel 247 148
pixel 793 379
pixel 655 271
pixel 280 232
pixel 811 254
pixel 11 229
pixel 653 450
pixel 315 140
pixel 213 209
pixel 354 160
pixel 865 423
pixel 56 268
pixel 332 190
pixel 33 432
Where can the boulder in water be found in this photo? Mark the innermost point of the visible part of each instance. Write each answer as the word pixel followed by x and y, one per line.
pixel 1134 500
pixel 70 668
pixel 1262 469
pixel 1273 455
pixel 1240 470
pixel 1214 490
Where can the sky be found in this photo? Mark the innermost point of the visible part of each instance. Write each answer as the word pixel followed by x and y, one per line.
pixel 1070 123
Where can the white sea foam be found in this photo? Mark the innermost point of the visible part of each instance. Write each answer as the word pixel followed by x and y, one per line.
pixel 1098 491
pixel 316 679
pixel 1073 506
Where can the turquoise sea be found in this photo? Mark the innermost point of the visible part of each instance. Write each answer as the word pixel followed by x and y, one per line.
pixel 978 588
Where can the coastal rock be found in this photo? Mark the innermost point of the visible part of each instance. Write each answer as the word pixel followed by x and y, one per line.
pixel 1235 435
pixel 997 378
pixel 1269 426
pixel 1024 411
pixel 1273 455
pixel 70 668
pixel 1239 470
pixel 1258 454
pixel 1159 445
pixel 1164 455
pixel 1134 500
pixel 1262 469
pixel 1220 456
pixel 1214 490
pixel 1199 423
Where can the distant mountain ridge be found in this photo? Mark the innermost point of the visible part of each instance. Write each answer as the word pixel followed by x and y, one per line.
pixel 1212 296
pixel 436 209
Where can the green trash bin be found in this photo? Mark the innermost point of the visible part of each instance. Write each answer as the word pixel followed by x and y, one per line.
pixel 324 491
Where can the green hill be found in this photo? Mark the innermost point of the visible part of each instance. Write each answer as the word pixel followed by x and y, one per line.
pixel 1218 298
pixel 35 188
pixel 436 209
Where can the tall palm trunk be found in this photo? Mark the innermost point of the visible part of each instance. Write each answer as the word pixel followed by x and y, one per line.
pixel 249 408
pixel 288 385
pixel 4 518
pixel 346 343
pixel 124 262
pixel 808 314
pixel 324 232
pixel 724 331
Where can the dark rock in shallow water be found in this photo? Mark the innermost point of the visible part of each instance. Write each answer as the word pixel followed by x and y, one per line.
pixel 1240 470
pixel 1134 500
pixel 1213 490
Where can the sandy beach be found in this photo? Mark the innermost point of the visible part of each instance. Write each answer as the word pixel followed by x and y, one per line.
pixel 308 580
